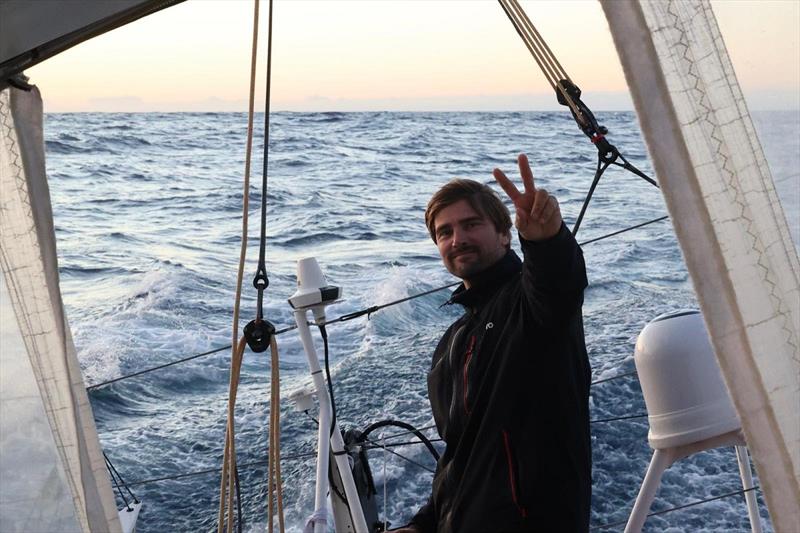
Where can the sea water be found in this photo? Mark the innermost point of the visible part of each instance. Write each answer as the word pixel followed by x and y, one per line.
pixel 147 210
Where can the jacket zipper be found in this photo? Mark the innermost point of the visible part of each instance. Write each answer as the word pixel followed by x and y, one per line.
pixel 467 359
pixel 512 480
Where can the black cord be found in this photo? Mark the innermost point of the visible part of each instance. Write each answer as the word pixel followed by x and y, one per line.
pixel 261 281
pixel 383 423
pixel 379 446
pixel 116 484
pixel 324 334
pixel 113 471
pixel 601 167
pixel 159 367
pixel 678 508
pixel 616 418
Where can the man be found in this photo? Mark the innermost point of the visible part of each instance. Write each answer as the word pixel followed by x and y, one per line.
pixel 509 382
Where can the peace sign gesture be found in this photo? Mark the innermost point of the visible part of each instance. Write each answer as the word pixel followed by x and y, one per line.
pixel 538 216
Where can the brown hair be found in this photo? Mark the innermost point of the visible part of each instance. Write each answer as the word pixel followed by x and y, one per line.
pixel 481 198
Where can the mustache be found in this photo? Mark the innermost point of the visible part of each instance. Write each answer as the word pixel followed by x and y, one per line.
pixel 463 250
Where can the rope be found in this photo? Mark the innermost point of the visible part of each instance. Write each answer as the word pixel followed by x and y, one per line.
pixel 538 48
pixel 274 471
pixel 679 507
pixel 227 479
pixel 246 185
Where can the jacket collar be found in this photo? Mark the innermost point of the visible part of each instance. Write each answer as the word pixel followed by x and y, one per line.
pixel 484 285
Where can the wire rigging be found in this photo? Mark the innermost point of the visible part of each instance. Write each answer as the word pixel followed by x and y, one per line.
pixel 569 94
pixel 678 507
pixel 119 483
pixel 350 316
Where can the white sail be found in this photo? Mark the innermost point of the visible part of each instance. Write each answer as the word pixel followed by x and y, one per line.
pixel 53 473
pixel 728 220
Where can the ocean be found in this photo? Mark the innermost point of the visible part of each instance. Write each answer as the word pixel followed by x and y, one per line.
pixel 147 209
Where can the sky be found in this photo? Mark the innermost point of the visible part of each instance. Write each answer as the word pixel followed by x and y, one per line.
pixel 410 55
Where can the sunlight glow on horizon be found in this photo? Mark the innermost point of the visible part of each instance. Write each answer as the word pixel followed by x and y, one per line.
pixel 388 55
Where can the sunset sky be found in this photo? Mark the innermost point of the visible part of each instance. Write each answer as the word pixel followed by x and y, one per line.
pixel 389 55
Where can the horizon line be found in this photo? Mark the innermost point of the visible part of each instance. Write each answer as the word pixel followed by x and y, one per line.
pixel 343 111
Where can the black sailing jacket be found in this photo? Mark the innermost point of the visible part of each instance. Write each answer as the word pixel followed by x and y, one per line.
pixel 509 390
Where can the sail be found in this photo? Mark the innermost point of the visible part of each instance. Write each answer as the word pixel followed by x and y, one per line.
pixel 728 220
pixel 53 473
pixel 31 32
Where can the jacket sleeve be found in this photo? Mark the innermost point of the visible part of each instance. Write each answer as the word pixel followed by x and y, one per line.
pixel 553 277
pixel 425 520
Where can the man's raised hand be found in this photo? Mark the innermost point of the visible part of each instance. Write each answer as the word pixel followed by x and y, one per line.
pixel 538 215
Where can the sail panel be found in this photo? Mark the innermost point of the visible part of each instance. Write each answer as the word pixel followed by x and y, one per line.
pixel 728 220
pixel 30 271
pixel 36 498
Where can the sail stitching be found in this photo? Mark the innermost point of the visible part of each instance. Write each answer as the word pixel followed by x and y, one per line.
pixel 711 126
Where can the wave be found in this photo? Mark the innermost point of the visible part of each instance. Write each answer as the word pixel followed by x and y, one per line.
pixel 58 147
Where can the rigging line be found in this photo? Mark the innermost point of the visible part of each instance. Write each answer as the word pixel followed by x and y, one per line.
pixel 238 349
pixel 632 169
pixel 113 468
pixel 368 311
pixel 116 484
pixel 351 316
pixel 392 436
pixel 616 418
pixel 407 459
pixel 637 226
pixel 525 39
pixel 679 507
pixel 598 173
pixel 159 367
pixel 385 492
pixel 561 69
pixel 612 378
pixel 246 185
pixel 261 281
pixel 554 82
pixel 227 481
pixel 216 469
pixel 544 50
pixel 398 444
pixel 404 433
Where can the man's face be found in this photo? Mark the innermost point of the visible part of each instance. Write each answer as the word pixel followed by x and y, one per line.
pixel 468 242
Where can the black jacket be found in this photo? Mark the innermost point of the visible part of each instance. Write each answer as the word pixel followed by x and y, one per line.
pixel 509 390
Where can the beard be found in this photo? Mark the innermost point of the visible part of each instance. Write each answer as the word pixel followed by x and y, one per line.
pixel 469 262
